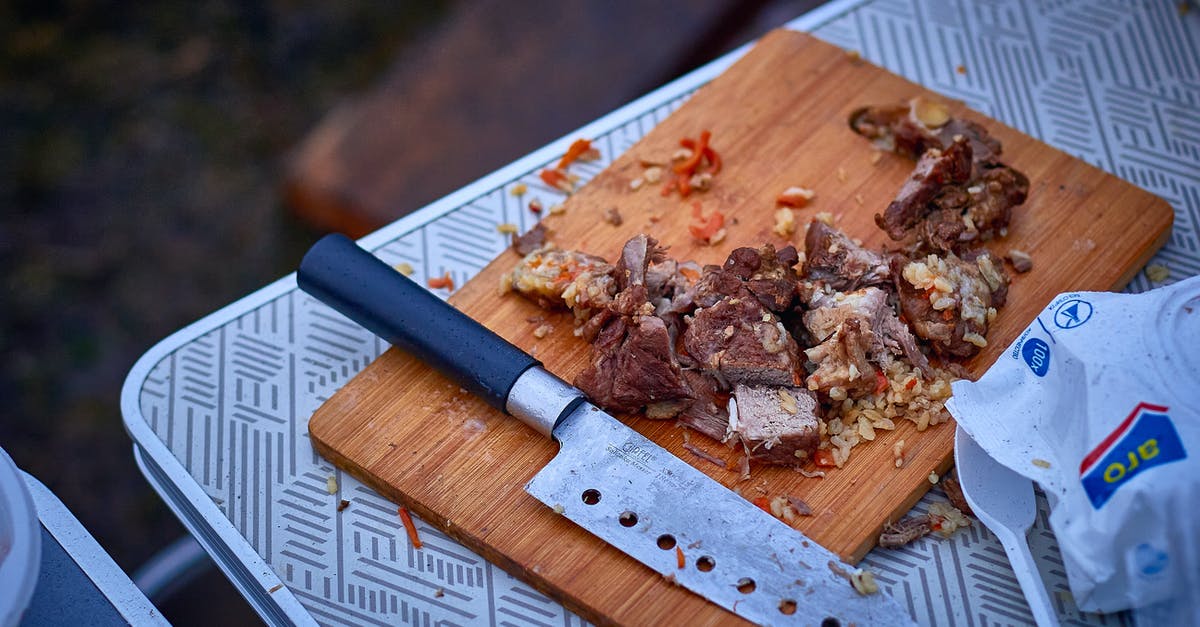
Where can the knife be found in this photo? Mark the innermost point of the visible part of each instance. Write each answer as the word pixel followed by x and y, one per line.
pixel 606 477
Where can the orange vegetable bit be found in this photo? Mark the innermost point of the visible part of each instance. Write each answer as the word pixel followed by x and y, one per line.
pixel 577 148
pixel 912 383
pixel 409 527
pixel 824 457
pixel 685 186
pixel 679 561
pixel 689 165
pixel 714 160
pixel 881 381
pixel 557 179
pixel 762 503
pixel 439 282
pixel 703 228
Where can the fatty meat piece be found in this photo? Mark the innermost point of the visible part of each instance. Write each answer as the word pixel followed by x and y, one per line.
pixel 777 425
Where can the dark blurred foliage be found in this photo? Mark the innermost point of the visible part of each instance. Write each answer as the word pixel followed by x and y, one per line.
pixel 141 146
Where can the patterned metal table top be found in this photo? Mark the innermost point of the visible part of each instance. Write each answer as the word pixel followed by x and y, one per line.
pixel 218 411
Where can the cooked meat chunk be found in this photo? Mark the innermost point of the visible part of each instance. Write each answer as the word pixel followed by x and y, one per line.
pixel 636 256
pixel 530 241
pixel 715 284
pixel 900 129
pixel 739 341
pixel 777 425
pixel 708 413
pixel 633 365
pixel 950 301
pixel 984 147
pixel 670 286
pixel 768 274
pixel 959 192
pixel 936 170
pixel 556 278
pixel 892 128
pixel 832 258
pixel 857 332
pixel 985 203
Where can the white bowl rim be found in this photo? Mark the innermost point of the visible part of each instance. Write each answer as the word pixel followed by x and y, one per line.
pixel 19 529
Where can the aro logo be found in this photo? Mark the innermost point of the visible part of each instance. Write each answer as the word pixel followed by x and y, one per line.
pixel 1145 439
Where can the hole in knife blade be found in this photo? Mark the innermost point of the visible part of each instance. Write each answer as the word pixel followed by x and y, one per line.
pixel 627 519
pixel 746 585
pixel 831 622
pixel 666 542
pixel 787 606
pixel 591 496
pixel 705 563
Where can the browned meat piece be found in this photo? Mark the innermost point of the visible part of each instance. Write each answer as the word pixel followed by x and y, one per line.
pixel 950 301
pixel 857 332
pixel 984 147
pixel 670 286
pixel 556 278
pixel 717 283
pixel 901 129
pixel 936 170
pixel 708 413
pixel 768 274
pixel 633 366
pixel 532 240
pixel 955 195
pixel 894 129
pixel 777 425
pixel 830 256
pixel 739 341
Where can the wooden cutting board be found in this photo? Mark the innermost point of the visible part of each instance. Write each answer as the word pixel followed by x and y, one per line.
pixel 778 118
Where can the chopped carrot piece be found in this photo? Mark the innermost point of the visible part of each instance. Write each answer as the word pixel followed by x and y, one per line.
pixel 689 166
pixel 557 179
pixel 690 274
pixel 409 527
pixel 577 148
pixel 881 381
pixel 439 282
pixel 762 503
pixel 704 228
pixel 685 186
pixel 714 160
pixel 912 383
pixel 679 561
pixel 824 457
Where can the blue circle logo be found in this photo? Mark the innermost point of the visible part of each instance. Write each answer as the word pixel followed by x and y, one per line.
pixel 1036 353
pixel 1072 313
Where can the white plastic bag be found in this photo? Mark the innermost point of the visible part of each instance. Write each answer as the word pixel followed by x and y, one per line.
pixel 1098 401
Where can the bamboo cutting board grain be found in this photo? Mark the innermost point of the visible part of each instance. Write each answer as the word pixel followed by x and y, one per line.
pixel 778 118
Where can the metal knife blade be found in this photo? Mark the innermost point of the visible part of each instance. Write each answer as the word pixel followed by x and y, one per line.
pixel 607 478
pixel 648 503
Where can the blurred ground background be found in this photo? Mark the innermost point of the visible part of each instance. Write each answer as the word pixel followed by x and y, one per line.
pixel 143 153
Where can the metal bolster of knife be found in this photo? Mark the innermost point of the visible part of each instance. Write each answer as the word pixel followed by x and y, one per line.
pixel 540 400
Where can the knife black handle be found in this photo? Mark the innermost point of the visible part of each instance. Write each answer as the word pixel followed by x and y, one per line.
pixel 373 294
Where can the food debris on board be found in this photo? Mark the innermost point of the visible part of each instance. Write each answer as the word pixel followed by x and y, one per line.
pixel 690 168
pixel 795 197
